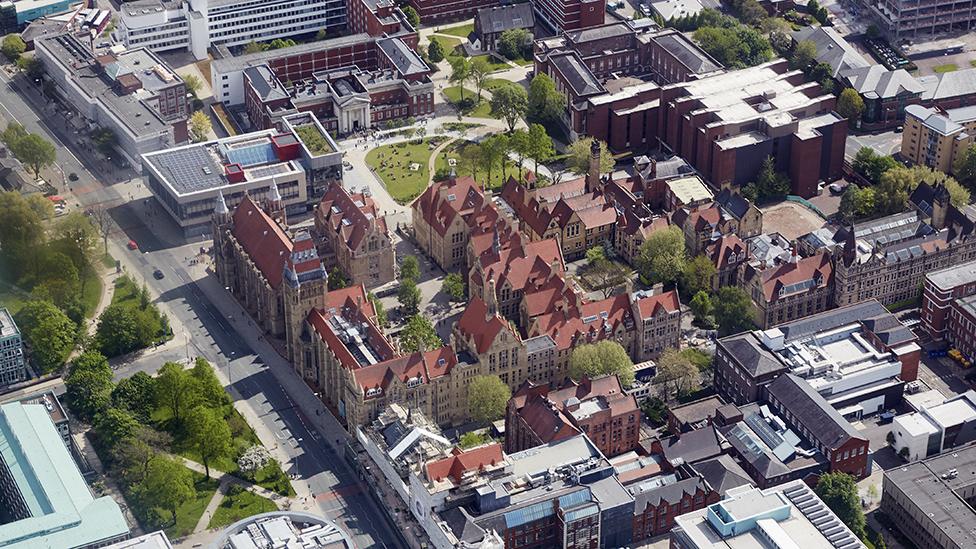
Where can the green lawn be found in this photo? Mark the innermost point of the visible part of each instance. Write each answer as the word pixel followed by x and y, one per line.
pixel 493 61
pixel 240 506
pixel 392 164
pixel 481 110
pixel 189 513
pixel 448 43
pixel 93 290
pixel 972 63
pixel 948 67
pixel 108 261
pixel 13 301
pixel 497 176
pixel 522 62
pixel 461 30
pixel 126 294
pixel 493 84
pixel 271 477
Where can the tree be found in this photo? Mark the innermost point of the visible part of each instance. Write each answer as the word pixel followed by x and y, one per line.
pixel 117 332
pixel 102 221
pixel 281 43
pixel 480 71
pixel 662 256
pixel 254 47
pixel 541 148
pixel 409 269
pixel 494 152
pixel 460 73
pixel 77 236
pixel 471 158
pixel 31 66
pixel 487 398
pixel 115 426
pixel 958 195
pixel 199 126
pixel 192 82
pixel 513 42
pixel 733 310
pixel 454 286
pixel 804 54
pixel 578 156
pixel 412 17
pixel 595 255
pixel 676 373
pixel 607 276
pixel 702 308
pixel 822 73
pixel 209 434
pixel 104 140
pixel 211 390
pixel 964 167
pixel 409 297
pixel 89 385
pixel 839 491
pixel 472 439
pixel 21 232
pixel 697 275
pixel 545 102
pixel 136 395
pixel 771 184
pixel 34 152
pixel 856 202
pixel 510 103
pixel 337 278
pixel 891 192
pixel 381 319
pixel 419 335
pixel 850 105
pixel 48 332
pixel 736 46
pixel 602 358
pixel 435 50
pixel 871 165
pixel 176 389
pixel 13 45
pixel 168 484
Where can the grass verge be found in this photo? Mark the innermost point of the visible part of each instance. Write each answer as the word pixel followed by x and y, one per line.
pixel 392 164
pixel 188 514
pixel 948 67
pixel 461 31
pixel 239 506
pixel 480 110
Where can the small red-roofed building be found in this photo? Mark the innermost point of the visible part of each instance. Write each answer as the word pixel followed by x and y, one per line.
pixel 791 290
pixel 441 216
pixel 728 254
pixel 355 236
pixel 598 407
pixel 658 323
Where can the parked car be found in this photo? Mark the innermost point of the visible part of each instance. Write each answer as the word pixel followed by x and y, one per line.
pixel 158 275
pixel 886 417
pixel 836 189
pixel 132 245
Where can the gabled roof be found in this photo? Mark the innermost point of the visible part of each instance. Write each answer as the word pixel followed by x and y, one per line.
pixel 948 84
pixel 692 446
pixel 751 354
pixel 351 216
pixel 877 81
pixel 669 494
pixel 810 410
pixel 419 366
pixel 806 275
pixel 666 303
pixel 503 18
pixel 475 325
pixel 263 239
pixel 832 49
pixel 588 323
pixel 726 248
pixel 722 473
pixel 733 202
pixel 462 461
pixel 443 201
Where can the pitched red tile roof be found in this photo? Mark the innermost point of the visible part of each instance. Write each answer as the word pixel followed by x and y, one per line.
pixel 550 423
pixel 568 326
pixel 350 216
pixel 425 366
pixel 443 201
pixel 652 305
pixel 263 239
pixel 816 267
pixel 563 189
pixel 724 248
pixel 351 304
pixel 522 262
pixel 475 326
pixel 462 461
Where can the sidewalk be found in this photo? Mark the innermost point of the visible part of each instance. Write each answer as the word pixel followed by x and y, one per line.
pixel 226 479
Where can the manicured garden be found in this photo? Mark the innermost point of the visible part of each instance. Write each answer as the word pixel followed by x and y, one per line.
pixel 403 166
pixel 131 321
pixel 190 511
pixel 481 109
pixel 461 31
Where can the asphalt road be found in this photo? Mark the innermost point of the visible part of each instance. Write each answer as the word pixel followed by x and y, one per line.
pixel 336 489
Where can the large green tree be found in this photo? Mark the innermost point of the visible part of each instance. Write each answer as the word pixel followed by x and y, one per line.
pixel 117 332
pixel 541 148
pixel 454 286
pixel 176 390
pixel 839 491
pixel 89 385
pixel 578 156
pixel 964 167
pixel 545 102
pixel 514 42
pixel 735 46
pixel 412 16
pixel 211 390
pixel 435 51
pixel 703 309
pixel 480 71
pixel 676 373
pixel 409 269
pixel 733 310
pixel 510 103
pixel 35 152
pixel 460 73
pixel 137 395
pixel 209 435
pixel 49 333
pixel 168 485
pixel 409 297
pixel 418 335
pixel 13 45
pixel 850 105
pixel 602 358
pixel 115 426
pixel 662 256
pixel 803 55
pixel 872 165
pixel 697 275
pixel 487 398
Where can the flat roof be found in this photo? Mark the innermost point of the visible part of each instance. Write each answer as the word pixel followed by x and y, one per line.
pixel 241 62
pixel 726 94
pixel 63 511
pixel 7 325
pixel 689 189
pixel 950 277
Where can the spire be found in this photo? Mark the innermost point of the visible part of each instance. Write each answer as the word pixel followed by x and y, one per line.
pixel 275 194
pixel 496 242
pixel 221 207
pixel 593 176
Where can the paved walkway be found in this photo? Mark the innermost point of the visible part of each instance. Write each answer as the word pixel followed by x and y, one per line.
pixel 226 480
pixel 433 160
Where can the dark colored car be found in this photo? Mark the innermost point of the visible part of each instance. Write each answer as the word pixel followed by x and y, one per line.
pixel 158 275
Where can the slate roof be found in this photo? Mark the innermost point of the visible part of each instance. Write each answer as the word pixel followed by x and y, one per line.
pixel 402 56
pixel 692 446
pixel 265 83
pixel 502 18
pixel 722 473
pixel 688 54
pixel 733 202
pixel 756 359
pixel 351 216
pixel 832 49
pixel 810 410
pixel 829 320
pixel 576 74
pixel 877 81
pixel 948 84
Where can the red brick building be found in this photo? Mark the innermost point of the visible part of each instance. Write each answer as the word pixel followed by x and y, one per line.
pixel 811 417
pixel 378 18
pixel 656 509
pixel 537 415
pixel 961 326
pixel 563 15
pixel 940 291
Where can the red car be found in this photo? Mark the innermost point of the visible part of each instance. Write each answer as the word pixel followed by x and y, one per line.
pixel 133 245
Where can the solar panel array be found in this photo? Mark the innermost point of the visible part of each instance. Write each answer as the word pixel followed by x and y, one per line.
pixel 189 170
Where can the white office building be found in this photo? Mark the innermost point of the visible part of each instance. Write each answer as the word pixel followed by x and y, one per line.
pixel 195 25
pixel 934 429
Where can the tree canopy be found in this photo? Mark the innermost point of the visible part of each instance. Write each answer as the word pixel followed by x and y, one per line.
pixel 545 102
pixel 487 398
pixel 736 46
pixel 454 286
pixel 412 16
pixel 676 373
pixel 209 434
pixel 872 165
pixel 13 45
pixel 419 335
pixel 510 103
pixel 733 310
pixel 168 484
pixel 662 256
pixel 839 491
pixel 200 126
pixel 578 156
pixel 602 358
pixel 48 332
pixel 435 50
pixel 31 149
pixel 176 390
pixel 850 105
pixel 515 43
pixel 88 385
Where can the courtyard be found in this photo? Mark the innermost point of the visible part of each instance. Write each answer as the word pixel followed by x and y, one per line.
pixel 790 219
